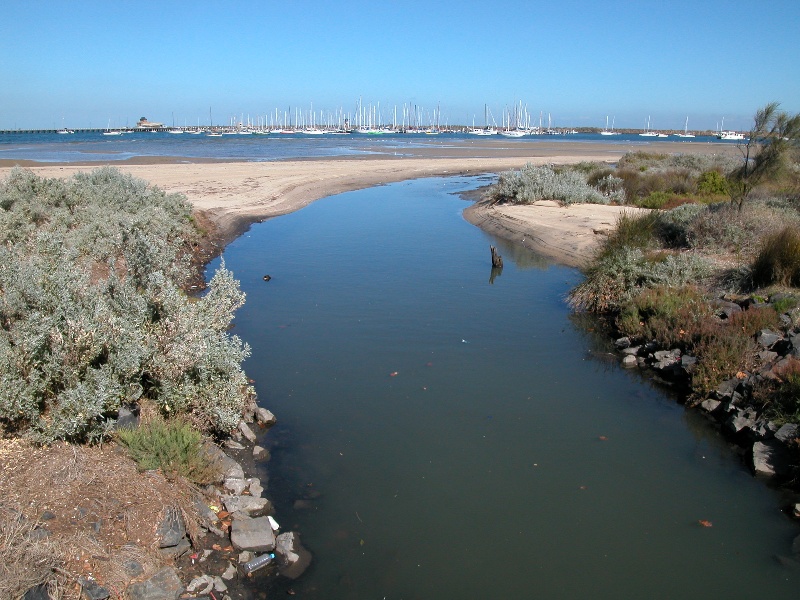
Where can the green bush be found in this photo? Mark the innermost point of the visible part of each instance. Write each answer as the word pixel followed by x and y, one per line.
pixel 174 447
pixel 655 200
pixel 672 316
pixel 778 261
pixel 712 183
pixel 616 277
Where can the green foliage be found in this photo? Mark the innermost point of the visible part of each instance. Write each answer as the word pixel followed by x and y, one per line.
pixel 672 316
pixel 778 262
pixel 766 152
pixel 712 183
pixel 655 200
pixel 92 315
pixel 616 277
pixel 725 347
pixel 174 446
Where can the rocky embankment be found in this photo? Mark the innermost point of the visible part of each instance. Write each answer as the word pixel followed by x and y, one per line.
pixel 236 526
pixel 769 446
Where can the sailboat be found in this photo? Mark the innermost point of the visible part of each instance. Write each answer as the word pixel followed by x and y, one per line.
pixel 110 131
pixel 685 133
pixel 211 132
pixel 608 131
pixel 486 130
pixel 647 132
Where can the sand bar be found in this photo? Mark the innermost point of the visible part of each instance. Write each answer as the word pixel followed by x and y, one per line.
pixel 236 194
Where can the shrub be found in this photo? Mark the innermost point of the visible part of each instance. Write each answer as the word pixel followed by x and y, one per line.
pixel 74 345
pixel 654 201
pixel 174 447
pixel 673 317
pixel 26 559
pixel 616 277
pixel 781 399
pixel 712 183
pixel 533 183
pixel 778 261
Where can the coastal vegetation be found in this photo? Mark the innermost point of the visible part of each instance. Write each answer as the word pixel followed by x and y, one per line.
pixel 710 270
pixel 94 317
pixel 98 326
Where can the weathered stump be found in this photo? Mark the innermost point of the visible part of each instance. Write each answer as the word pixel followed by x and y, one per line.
pixel 497 260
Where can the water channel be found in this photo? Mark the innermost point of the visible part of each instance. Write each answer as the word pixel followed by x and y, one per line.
pixel 445 435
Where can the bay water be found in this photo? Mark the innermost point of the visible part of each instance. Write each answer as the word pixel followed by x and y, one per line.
pixel 444 432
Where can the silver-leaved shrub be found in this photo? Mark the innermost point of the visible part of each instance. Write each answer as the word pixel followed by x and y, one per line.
pixel 92 314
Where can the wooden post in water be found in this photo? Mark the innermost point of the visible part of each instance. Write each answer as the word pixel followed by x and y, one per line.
pixel 497 260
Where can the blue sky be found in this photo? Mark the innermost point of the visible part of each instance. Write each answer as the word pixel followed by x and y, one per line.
pixel 84 63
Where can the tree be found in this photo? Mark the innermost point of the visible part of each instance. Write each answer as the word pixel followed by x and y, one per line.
pixel 764 154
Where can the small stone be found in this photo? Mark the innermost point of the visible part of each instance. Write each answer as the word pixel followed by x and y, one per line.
pixel 767 338
pixel 768 459
pixel 245 556
pixel 92 590
pixel 233 444
pixel 127 417
pixel 47 516
pixel 245 430
pixel 246 504
pixel 229 573
pixel 254 534
pixel 260 453
pixel 294 558
pixel 164 585
pixel 132 568
pixel 622 342
pixel 629 361
pixel 710 405
pixel 787 433
pixel 236 486
pixel 265 417
pixel 171 530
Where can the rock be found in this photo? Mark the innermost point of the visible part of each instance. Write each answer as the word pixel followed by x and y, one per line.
pixel 228 467
pixel 164 585
pixel 727 309
pixel 767 356
pixel 255 487
pixel 294 559
pixel 229 573
pixel 622 342
pixel 726 388
pixel 632 350
pixel 176 551
pixel 233 444
pixel 132 568
pixel 245 556
pixel 235 486
pixel 171 530
pixel 37 592
pixel 260 453
pixel 629 361
pixel 91 590
pixel 787 433
pixel 265 417
pixel 254 534
pixel 768 459
pixel 246 504
pixel 766 338
pixel 710 405
pixel 127 417
pixel 245 430
pixel 796 511
pixel 741 421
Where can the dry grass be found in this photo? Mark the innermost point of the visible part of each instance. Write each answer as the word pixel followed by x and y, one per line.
pixel 83 486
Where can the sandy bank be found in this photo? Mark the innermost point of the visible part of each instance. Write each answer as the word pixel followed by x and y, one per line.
pixel 236 194
pixel 568 235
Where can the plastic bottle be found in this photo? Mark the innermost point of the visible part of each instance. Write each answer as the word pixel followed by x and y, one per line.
pixel 257 563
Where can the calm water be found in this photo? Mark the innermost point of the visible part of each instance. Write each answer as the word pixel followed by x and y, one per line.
pixel 443 432
pixel 97 147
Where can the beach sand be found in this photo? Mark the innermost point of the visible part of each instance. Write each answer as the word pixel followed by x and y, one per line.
pixel 237 194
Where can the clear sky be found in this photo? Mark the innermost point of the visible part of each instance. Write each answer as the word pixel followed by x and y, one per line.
pixel 85 63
